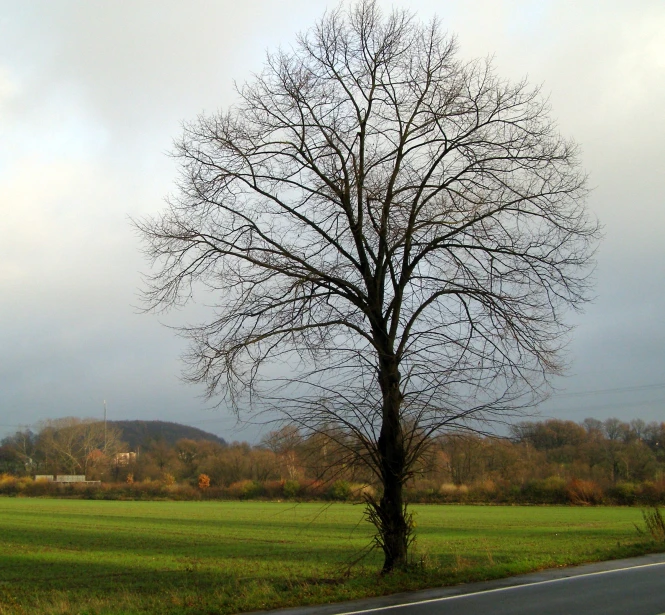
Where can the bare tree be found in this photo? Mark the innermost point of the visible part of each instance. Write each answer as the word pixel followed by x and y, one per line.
pixel 391 237
pixel 69 443
pixel 283 443
pixel 22 446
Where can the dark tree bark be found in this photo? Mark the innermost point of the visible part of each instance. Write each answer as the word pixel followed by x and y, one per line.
pixel 391 237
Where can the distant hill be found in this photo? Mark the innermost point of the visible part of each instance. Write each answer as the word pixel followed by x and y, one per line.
pixel 142 433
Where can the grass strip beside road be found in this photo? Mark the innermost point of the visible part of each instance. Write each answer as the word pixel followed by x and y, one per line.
pixel 79 556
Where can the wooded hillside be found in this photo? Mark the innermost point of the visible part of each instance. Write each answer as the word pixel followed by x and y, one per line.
pixel 143 433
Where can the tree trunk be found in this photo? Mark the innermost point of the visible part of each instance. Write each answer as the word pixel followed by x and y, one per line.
pixel 393 523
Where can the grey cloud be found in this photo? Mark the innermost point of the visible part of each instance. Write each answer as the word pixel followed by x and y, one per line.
pixel 92 93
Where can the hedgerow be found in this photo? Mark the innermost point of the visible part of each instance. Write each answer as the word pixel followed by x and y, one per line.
pixel 551 490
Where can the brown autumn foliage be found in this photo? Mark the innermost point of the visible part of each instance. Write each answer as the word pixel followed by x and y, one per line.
pixel 550 461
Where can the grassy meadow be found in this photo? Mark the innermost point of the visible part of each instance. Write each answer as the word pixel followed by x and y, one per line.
pixel 99 557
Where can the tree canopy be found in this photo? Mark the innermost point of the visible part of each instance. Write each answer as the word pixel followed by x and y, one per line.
pixel 391 236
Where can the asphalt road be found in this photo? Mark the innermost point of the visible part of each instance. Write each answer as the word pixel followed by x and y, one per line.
pixel 633 591
pixel 626 587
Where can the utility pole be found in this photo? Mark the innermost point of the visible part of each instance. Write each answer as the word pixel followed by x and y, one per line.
pixel 104 426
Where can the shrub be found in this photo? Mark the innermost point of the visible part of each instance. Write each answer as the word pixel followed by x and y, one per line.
pixel 484 491
pixel 623 493
pixel 291 488
pixel 314 488
pixel 655 524
pixel 425 495
pixel 652 493
pixel 245 489
pixel 23 483
pixel 182 492
pixel 340 490
pixel 204 482
pixel 213 493
pixel 274 489
pixel 7 484
pixel 146 490
pixel 551 490
pixel 448 489
pixel 362 491
pixel 41 487
pixel 584 492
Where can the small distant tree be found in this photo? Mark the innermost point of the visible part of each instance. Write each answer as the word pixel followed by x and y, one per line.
pixel 163 456
pixel 284 442
pixel 204 482
pixel 18 453
pixel 71 444
pixel 391 237
pixel 188 455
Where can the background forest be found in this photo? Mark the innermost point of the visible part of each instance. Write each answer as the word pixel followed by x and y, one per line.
pixel 550 461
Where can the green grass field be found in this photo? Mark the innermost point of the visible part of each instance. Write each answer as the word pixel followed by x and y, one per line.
pixel 79 556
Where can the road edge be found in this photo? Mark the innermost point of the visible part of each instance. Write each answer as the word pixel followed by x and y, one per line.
pixel 423 595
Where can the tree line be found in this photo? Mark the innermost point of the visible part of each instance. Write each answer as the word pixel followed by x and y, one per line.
pixel 550 455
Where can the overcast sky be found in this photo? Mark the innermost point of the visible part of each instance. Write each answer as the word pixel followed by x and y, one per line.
pixel 92 94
